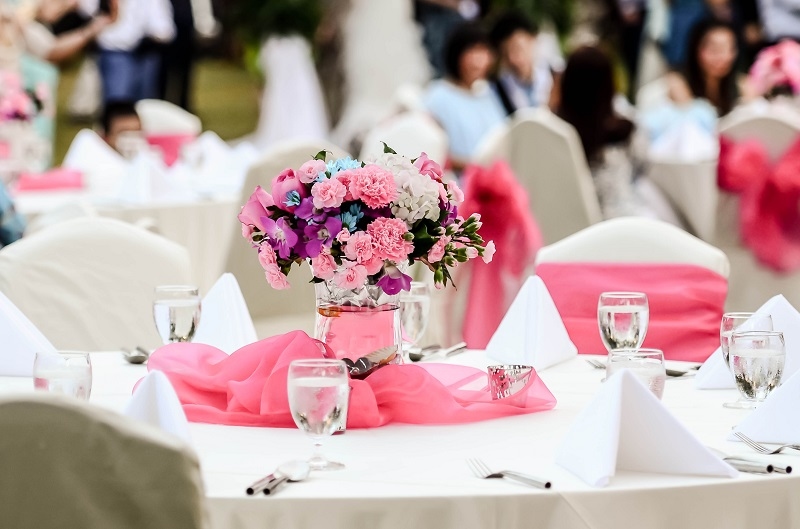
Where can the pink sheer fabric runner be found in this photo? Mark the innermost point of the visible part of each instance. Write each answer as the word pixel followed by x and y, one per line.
pixel 248 388
pixel 686 303
pixel 170 144
pixel 502 203
pixel 769 207
pixel 54 179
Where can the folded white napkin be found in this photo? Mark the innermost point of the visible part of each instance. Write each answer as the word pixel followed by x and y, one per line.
pixel 626 427
pixel 155 402
pixel 102 166
pixel 225 322
pixel 775 420
pixel 714 374
pixel 532 332
pixel 21 341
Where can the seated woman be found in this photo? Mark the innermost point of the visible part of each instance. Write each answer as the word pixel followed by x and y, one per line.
pixel 463 103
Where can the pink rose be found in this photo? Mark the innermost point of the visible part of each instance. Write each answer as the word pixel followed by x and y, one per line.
pixel 488 252
pixel 276 278
pixel 352 277
pixel 456 195
pixel 387 239
pixel 359 247
pixel 343 236
pixel 436 253
pixel 428 167
pixel 266 256
pixel 323 266
pixel 286 183
pixel 310 171
pixel 373 185
pixel 256 208
pixel 344 177
pixel 328 193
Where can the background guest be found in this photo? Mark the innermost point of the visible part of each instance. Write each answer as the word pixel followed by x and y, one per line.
pixel 119 117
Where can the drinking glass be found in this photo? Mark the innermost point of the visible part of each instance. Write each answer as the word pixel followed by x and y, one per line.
pixel 176 311
pixel 319 391
pixel 415 306
pixel 756 359
pixel 744 321
pixel 646 364
pixel 64 372
pixel 623 319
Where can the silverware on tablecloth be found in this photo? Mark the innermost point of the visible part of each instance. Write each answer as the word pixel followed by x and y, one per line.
pixel 751 466
pixel 261 484
pixel 137 355
pixel 290 472
pixel 758 447
pixel 438 352
pixel 597 364
pixel 481 470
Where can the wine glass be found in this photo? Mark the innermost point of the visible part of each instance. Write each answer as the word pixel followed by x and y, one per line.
pixel 732 321
pixel 319 391
pixel 757 359
pixel 415 308
pixel 176 311
pixel 646 364
pixel 64 372
pixel 623 318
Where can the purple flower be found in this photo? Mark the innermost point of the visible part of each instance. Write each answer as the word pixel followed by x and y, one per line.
pixel 452 212
pixel 393 280
pixel 281 236
pixel 321 235
pixel 308 212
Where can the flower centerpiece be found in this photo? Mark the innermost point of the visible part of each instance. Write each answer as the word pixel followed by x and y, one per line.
pixel 776 71
pixel 360 225
pixel 18 107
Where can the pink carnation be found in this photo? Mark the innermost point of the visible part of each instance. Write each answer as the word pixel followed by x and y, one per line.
pixel 344 177
pixel 387 239
pixel 488 252
pixel 328 193
pixel 436 253
pixel 323 266
pixel 352 277
pixel 266 256
pixel 343 236
pixel 456 195
pixel 373 185
pixel 359 247
pixel 276 278
pixel 310 170
pixel 428 167
pixel 374 265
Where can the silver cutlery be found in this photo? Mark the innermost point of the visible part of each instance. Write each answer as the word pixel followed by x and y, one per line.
pixel 137 355
pixel 751 466
pixel 482 471
pixel 758 447
pixel 290 472
pixel 438 351
pixel 597 364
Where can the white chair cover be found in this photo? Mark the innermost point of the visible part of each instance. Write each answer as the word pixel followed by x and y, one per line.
pixel 274 311
pixel 409 134
pixel 88 283
pixel 638 240
pixel 692 189
pixel 163 117
pixel 546 155
pixel 76 465
pixel 652 94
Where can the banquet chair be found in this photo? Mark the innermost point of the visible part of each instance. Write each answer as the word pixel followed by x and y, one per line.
pixel 275 311
pixel 545 153
pixel 409 134
pixel 163 117
pixel 652 94
pixel 88 283
pixel 70 464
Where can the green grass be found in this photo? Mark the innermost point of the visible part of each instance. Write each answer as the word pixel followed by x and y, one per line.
pixel 225 97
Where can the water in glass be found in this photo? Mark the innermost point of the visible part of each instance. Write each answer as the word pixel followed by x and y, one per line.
pixel 176 319
pixel 757 372
pixel 319 404
pixel 65 373
pixel 623 326
pixel 646 364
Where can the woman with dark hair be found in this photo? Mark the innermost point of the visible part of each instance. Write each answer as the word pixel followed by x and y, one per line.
pixel 710 71
pixel 463 103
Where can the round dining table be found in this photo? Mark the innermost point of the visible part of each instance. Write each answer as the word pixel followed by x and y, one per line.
pixel 415 476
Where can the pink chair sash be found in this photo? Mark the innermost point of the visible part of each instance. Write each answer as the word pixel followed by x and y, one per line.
pixel 249 387
pixel 502 203
pixel 58 178
pixel 686 303
pixel 170 144
pixel 769 207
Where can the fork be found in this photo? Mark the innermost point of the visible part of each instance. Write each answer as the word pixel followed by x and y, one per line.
pixel 481 470
pixel 763 449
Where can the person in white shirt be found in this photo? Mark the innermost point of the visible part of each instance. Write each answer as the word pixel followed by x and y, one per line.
pixel 129 58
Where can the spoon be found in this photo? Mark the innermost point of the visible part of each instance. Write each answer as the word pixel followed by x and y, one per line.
pixel 138 355
pixel 291 472
pixel 424 353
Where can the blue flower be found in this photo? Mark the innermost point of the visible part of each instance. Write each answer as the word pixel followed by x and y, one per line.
pixel 350 218
pixel 292 198
pixel 342 164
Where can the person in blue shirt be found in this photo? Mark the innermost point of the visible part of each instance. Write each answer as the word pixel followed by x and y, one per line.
pixel 11 223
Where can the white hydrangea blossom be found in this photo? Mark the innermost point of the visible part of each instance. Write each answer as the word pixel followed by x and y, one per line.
pixel 418 195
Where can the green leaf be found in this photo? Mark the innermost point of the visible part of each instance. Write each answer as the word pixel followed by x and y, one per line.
pixel 321 155
pixel 387 149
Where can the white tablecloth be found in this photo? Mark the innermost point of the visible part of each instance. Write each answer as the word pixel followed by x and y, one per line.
pixel 402 476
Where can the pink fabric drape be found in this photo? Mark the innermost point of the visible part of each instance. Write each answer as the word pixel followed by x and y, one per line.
pixel 170 145
pixel 686 303
pixel 769 208
pixel 507 220
pixel 54 179
pixel 249 387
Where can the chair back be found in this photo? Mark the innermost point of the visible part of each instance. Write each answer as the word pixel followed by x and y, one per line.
pixel 93 468
pixel 88 283
pixel 165 118
pixel 409 134
pixel 546 155
pixel 775 129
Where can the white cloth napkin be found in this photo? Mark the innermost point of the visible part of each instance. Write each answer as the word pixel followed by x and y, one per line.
pixel 225 321
pixel 714 374
pixel 102 166
pixel 532 332
pixel 626 427
pixel 775 420
pixel 21 341
pixel 155 402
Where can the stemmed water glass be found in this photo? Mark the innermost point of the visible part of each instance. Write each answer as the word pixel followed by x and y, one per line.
pixel 756 359
pixel 176 311
pixel 415 308
pixel 319 392
pixel 623 318
pixel 733 321
pixel 64 372
pixel 646 364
